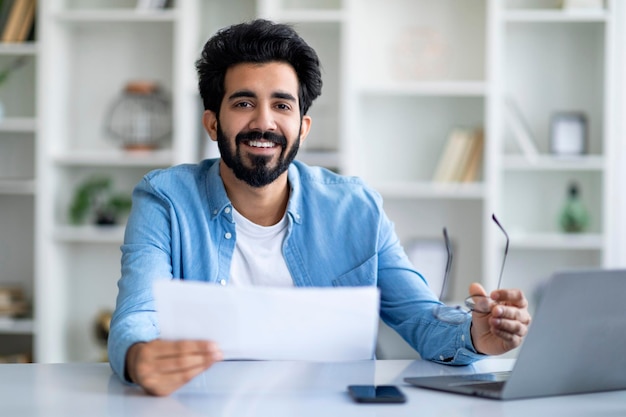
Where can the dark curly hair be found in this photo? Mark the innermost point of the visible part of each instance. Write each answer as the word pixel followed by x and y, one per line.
pixel 257 41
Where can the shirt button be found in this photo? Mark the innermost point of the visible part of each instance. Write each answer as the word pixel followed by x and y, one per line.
pixel 463 337
pixel 227 210
pixel 222 282
pixel 215 211
pixel 441 357
pixel 228 235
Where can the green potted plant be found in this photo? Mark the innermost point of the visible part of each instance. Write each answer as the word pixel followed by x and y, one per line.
pixel 95 198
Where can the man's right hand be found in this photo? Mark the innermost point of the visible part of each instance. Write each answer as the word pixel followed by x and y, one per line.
pixel 160 367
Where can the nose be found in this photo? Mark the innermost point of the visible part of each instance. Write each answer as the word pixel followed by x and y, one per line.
pixel 263 118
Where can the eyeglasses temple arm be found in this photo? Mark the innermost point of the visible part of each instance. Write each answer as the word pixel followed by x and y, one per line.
pixel 506 248
pixel 448 263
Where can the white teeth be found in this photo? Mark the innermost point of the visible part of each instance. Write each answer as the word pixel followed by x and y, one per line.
pixel 260 144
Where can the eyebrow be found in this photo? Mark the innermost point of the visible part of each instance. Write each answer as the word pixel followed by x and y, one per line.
pixel 251 94
pixel 284 96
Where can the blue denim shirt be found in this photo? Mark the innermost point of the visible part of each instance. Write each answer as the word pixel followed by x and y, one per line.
pixel 181 226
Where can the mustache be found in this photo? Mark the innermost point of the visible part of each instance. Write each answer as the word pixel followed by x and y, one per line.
pixel 256 135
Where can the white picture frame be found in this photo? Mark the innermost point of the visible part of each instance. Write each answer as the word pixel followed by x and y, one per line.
pixel 568 134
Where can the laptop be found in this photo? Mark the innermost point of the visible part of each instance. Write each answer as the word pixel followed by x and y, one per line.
pixel 575 343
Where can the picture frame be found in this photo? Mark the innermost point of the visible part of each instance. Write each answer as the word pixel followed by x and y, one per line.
pixel 568 134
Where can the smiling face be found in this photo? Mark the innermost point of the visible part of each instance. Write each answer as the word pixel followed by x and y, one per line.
pixel 259 127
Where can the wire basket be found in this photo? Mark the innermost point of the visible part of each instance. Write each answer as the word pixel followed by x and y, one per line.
pixel 141 117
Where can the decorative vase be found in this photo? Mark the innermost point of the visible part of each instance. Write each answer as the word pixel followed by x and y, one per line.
pixel 574 216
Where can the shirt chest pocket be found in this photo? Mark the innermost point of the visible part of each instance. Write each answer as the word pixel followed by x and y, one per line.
pixel 363 275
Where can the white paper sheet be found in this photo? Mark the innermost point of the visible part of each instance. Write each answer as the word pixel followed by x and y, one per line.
pixel 265 323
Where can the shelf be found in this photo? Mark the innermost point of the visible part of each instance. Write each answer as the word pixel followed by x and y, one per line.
pixel 557 241
pixel 310 16
pixel 9 325
pixel 553 16
pixel 90 234
pixel 17 186
pixel 116 15
pixel 18 124
pixel 553 163
pixel 427 88
pixel 23 48
pixel 116 157
pixel 319 158
pixel 460 191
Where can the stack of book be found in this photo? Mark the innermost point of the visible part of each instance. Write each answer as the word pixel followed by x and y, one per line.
pixel 17 20
pixel 461 158
pixel 12 302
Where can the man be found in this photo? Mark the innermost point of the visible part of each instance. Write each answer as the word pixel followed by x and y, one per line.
pixel 257 217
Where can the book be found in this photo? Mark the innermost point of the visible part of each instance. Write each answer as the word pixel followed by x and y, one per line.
pixel 461 158
pixel 15 14
pixel 520 130
pixel 12 301
pixel 15 20
pixel 450 156
pixel 27 22
pixel 465 153
pixel 472 167
pixel 459 155
pixel 5 9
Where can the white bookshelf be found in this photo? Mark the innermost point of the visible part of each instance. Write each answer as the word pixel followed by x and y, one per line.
pixel 92 49
pixel 420 73
pixel 541 66
pixel 18 185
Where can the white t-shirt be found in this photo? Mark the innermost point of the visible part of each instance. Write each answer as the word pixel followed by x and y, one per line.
pixel 258 257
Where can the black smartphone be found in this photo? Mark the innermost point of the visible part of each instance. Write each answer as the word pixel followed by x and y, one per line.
pixel 376 394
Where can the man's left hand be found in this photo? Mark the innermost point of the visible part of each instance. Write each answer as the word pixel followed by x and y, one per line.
pixel 505 326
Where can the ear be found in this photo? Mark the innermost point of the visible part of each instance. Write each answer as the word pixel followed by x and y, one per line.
pixel 305 128
pixel 209 121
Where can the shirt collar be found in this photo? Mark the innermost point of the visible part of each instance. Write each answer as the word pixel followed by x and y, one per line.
pixel 218 199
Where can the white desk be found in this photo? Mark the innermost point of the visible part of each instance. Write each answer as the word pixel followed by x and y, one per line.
pixel 274 389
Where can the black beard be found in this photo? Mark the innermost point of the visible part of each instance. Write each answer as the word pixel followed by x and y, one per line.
pixel 259 175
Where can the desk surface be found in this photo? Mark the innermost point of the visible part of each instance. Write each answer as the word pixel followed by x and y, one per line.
pixel 294 389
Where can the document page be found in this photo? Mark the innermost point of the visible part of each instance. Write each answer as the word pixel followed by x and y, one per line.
pixel 268 323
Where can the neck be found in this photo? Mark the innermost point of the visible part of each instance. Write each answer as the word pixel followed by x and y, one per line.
pixel 264 206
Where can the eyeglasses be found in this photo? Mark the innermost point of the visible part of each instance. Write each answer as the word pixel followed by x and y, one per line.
pixel 473 303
